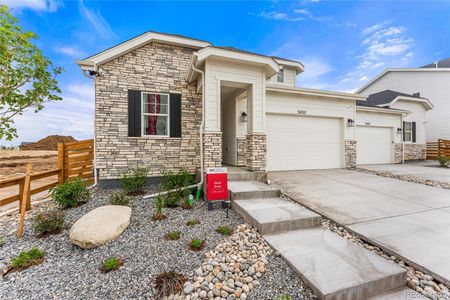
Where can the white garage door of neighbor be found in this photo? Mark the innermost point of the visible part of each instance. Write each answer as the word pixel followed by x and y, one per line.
pixel 373 145
pixel 301 143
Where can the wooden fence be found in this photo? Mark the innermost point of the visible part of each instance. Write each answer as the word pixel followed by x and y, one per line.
pixel 439 148
pixel 75 159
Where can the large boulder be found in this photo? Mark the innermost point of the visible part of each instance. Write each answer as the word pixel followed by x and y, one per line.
pixel 100 226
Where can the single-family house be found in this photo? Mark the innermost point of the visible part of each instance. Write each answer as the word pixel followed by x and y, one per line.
pixel 165 102
pixel 431 81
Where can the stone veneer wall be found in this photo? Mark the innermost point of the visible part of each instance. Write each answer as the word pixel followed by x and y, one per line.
pixel 398 156
pixel 154 68
pixel 241 147
pixel 212 149
pixel 350 154
pixel 415 151
pixel 256 152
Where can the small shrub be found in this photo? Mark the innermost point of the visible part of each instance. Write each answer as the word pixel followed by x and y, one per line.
pixel 111 264
pixel 48 223
pixel 169 283
pixel 119 198
pixel 177 180
pixel 444 161
pixel 71 193
pixel 196 244
pixel 283 297
pixel 192 222
pixel 173 235
pixel 158 213
pixel 224 230
pixel 28 258
pixel 133 182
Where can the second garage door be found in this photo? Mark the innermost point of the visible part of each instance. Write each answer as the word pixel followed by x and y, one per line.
pixel 374 145
pixel 300 143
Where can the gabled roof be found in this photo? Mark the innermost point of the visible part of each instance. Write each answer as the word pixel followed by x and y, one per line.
pixel 443 63
pixel 388 97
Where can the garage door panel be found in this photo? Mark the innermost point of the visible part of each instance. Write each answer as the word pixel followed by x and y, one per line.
pixel 374 145
pixel 298 143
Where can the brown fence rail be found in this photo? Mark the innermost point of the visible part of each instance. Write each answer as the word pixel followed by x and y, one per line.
pixel 75 159
pixel 439 148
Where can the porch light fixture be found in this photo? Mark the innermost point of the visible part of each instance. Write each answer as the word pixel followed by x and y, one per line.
pixel 351 123
pixel 244 117
pixel 399 130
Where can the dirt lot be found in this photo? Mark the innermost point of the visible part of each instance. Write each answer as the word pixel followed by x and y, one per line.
pixel 14 162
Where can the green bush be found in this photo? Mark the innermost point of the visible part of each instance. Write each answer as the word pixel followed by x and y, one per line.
pixel 27 258
pixel 192 222
pixel 283 297
pixel 196 244
pixel 133 182
pixel 173 235
pixel 224 230
pixel 111 264
pixel 443 161
pixel 71 193
pixel 48 223
pixel 177 180
pixel 119 198
pixel 158 213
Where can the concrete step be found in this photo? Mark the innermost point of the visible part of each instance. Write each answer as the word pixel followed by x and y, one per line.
pixel 273 215
pixel 400 294
pixel 245 175
pixel 239 190
pixel 334 267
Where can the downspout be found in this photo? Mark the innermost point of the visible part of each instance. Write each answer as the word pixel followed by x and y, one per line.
pixel 199 184
pixel 403 142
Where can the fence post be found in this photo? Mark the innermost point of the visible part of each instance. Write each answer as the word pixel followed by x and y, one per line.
pixel 26 196
pixel 61 163
pixel 21 191
pixel 439 148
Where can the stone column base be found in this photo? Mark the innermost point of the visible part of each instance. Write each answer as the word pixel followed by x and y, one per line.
pixel 415 151
pixel 398 155
pixel 241 150
pixel 350 154
pixel 256 151
pixel 212 149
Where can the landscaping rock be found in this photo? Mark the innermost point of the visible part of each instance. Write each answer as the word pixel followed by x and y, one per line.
pixel 100 226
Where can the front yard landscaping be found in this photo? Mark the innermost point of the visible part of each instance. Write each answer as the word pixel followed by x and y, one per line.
pixel 132 265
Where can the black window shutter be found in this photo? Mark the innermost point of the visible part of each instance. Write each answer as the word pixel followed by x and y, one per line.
pixel 175 115
pixel 413 132
pixel 404 131
pixel 134 113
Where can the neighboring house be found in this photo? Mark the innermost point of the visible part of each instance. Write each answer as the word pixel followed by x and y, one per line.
pixel 431 82
pixel 413 125
pixel 159 97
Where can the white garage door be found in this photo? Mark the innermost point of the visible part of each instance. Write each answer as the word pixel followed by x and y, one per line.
pixel 299 143
pixel 373 145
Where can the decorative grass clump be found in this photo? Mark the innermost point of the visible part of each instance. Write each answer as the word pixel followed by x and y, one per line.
pixel 224 230
pixel 133 181
pixel 111 264
pixel 173 235
pixel 72 193
pixel 119 198
pixel 158 214
pixel 26 259
pixel 48 223
pixel 444 161
pixel 169 283
pixel 196 244
pixel 284 297
pixel 192 222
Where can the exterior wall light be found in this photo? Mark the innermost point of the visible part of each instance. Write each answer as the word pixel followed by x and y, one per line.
pixel 244 117
pixel 351 123
pixel 399 130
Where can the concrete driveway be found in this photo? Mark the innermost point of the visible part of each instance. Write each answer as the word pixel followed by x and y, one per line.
pixel 425 169
pixel 411 220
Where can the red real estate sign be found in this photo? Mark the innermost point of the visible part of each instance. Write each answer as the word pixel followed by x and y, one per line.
pixel 216 184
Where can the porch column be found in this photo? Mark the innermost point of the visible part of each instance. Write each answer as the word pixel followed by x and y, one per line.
pixel 212 149
pixel 256 151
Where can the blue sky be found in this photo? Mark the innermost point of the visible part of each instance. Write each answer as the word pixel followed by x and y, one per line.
pixel 341 43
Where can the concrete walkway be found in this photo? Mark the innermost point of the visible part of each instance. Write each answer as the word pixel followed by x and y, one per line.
pixel 411 220
pixel 429 170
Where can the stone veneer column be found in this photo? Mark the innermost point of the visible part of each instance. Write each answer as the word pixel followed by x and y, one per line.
pixel 212 149
pixel 256 151
pixel 350 154
pixel 241 150
pixel 398 156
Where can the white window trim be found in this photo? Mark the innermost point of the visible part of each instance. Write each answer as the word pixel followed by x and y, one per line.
pixel 153 114
pixel 281 71
pixel 410 131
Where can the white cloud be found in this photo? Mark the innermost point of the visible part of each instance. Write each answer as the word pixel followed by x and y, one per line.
pixel 315 69
pixel 363 78
pixel 301 11
pixel 38 5
pixel 97 21
pixel 70 50
pixel 275 15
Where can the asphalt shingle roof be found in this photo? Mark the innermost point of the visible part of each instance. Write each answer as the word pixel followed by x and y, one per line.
pixel 383 97
pixel 443 63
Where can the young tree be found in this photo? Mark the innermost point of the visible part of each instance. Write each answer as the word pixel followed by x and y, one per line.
pixel 27 78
